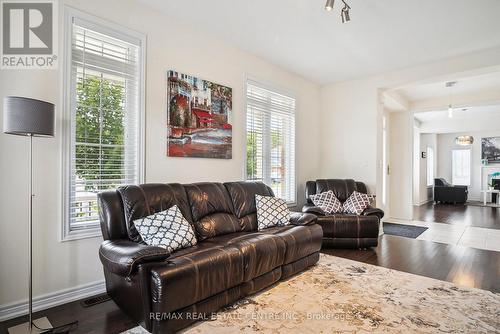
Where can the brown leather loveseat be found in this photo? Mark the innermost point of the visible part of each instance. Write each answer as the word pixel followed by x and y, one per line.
pixel 344 230
pixel 166 292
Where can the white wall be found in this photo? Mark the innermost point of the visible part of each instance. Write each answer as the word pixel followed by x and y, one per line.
pixel 416 164
pixel 401 148
pixel 446 143
pixel 170 45
pixel 351 112
pixel 426 140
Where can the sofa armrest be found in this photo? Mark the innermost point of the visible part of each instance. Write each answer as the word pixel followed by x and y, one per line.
pixel 313 209
pixel 370 211
pixel 299 218
pixel 123 256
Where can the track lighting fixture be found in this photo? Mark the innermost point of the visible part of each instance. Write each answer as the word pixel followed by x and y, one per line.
pixel 329 5
pixel 344 13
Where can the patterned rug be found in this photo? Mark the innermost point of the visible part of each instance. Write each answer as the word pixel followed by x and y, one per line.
pixel 343 296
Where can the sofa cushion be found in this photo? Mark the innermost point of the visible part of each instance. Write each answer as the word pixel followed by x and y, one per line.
pixel 327 201
pixel 300 241
pixel 271 211
pixel 167 229
pixel 143 200
pixel 195 274
pixel 212 210
pixel 261 252
pixel 357 203
pixel 243 198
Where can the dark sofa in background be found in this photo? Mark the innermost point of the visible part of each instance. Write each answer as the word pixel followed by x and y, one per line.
pixel 339 229
pixel 231 260
pixel 445 192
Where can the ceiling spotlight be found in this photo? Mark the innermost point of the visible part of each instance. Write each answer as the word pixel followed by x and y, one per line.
pixel 345 13
pixel 329 5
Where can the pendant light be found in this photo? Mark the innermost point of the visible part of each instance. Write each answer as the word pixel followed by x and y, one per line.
pixel 450 85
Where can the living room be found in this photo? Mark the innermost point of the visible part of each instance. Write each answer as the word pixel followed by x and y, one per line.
pixel 197 100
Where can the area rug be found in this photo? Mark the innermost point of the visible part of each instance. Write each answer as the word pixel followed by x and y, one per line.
pixel 402 230
pixel 343 296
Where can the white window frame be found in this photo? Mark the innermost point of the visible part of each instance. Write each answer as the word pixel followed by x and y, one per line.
pixel 431 157
pixel 468 183
pixel 283 91
pixel 66 96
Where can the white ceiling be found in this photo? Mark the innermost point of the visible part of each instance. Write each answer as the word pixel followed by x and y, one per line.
pixel 383 35
pixel 480 112
pixel 484 118
pixel 470 85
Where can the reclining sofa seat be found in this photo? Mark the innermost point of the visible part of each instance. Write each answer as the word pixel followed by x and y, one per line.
pixel 231 260
pixel 342 230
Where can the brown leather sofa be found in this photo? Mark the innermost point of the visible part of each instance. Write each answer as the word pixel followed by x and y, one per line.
pixel 344 230
pixel 167 292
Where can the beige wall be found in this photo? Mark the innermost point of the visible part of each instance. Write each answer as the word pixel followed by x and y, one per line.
pixel 62 265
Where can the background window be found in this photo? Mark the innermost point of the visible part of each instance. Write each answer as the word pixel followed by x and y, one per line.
pixel 430 166
pixel 460 162
pixel 271 140
pixel 105 116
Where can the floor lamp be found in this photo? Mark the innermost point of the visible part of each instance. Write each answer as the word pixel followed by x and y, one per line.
pixel 33 118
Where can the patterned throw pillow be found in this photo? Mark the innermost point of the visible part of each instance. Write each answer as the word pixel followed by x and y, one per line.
pixel 357 203
pixel 168 229
pixel 271 211
pixel 327 201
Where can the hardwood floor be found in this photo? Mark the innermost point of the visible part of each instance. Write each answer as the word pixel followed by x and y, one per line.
pixel 464 266
pixel 469 215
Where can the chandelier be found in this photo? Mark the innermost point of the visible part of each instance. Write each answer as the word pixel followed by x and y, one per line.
pixel 344 13
pixel 464 140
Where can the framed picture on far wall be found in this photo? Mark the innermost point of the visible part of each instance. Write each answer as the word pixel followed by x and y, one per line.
pixel 199 114
pixel 490 149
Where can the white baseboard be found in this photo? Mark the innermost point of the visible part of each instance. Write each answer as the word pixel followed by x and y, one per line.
pixel 49 300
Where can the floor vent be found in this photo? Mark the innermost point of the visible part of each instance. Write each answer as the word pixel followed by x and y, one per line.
pixel 95 300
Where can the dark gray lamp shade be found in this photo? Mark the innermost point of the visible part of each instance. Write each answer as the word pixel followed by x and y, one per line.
pixel 24 117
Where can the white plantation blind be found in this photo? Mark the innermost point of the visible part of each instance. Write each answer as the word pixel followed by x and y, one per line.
pixel 105 104
pixel 271 139
pixel 460 165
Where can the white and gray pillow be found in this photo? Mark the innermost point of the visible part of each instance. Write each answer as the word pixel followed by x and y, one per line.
pixel 357 203
pixel 271 211
pixel 328 202
pixel 167 229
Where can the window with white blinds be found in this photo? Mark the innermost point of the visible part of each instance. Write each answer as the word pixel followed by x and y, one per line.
pixel 461 167
pixel 270 139
pixel 105 79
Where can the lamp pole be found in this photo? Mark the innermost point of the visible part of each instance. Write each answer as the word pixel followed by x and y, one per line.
pixel 30 229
